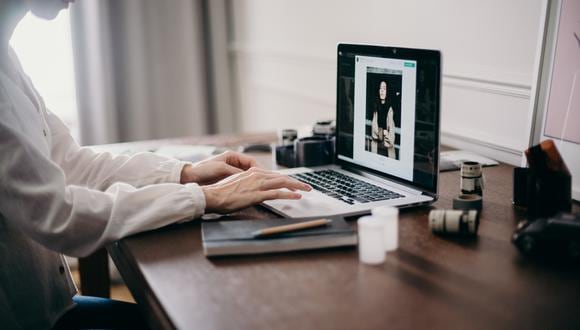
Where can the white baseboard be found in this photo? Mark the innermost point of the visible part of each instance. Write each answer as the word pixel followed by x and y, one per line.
pixel 494 151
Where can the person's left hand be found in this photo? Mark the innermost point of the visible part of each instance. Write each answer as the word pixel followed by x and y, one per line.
pixel 216 168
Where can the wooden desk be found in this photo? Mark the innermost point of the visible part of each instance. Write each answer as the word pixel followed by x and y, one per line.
pixel 429 282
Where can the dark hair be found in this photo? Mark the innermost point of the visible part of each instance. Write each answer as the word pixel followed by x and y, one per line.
pixel 381 108
pixel 388 97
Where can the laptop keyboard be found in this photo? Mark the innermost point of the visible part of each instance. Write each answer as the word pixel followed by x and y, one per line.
pixel 344 187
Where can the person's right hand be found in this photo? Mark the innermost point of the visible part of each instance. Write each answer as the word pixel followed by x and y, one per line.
pixel 387 141
pixel 249 188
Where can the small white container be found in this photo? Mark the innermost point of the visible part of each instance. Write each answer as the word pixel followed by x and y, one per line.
pixel 371 248
pixel 390 215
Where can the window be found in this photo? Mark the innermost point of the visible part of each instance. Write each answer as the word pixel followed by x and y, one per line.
pixel 45 51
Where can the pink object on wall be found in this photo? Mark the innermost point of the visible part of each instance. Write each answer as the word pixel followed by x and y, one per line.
pixel 563 112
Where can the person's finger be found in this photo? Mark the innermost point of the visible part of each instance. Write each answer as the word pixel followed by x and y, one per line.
pixel 255 169
pixel 234 177
pixel 276 194
pixel 226 170
pixel 254 176
pixel 221 171
pixel 284 182
pixel 240 160
pixel 261 181
pixel 253 181
pixel 258 174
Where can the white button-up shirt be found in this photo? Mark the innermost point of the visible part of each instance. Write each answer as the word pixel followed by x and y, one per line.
pixel 57 197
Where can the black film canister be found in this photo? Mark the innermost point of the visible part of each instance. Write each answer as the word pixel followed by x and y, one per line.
pixel 520 186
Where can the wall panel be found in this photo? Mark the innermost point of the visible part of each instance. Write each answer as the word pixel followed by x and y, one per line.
pixel 284 66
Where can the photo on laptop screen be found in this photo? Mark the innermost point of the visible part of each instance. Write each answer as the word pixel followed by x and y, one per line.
pixel 384 118
pixel 383 115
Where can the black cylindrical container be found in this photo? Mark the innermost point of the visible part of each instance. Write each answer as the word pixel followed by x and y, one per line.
pixel 549 192
pixel 520 186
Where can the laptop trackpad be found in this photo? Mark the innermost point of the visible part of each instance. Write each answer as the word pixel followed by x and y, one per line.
pixel 311 204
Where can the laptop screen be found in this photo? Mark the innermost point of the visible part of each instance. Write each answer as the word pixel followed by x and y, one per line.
pixel 388 112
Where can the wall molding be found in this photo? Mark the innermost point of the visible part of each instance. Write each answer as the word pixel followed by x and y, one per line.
pixel 295 93
pixel 497 87
pixel 503 87
pixel 491 150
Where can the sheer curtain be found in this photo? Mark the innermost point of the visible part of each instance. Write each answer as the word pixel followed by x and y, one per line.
pixel 140 69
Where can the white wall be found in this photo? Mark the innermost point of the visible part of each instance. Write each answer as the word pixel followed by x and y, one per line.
pixel 284 65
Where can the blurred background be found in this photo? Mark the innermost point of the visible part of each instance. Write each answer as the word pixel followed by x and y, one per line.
pixel 144 69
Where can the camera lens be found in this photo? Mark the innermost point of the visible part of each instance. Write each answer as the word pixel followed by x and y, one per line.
pixel 460 222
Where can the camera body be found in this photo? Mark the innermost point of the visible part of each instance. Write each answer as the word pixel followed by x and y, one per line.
pixel 558 235
pixel 315 150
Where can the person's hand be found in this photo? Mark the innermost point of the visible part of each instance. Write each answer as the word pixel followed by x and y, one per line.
pixel 216 168
pixel 249 188
pixel 387 141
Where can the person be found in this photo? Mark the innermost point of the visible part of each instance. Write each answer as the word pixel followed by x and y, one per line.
pixel 383 127
pixel 57 197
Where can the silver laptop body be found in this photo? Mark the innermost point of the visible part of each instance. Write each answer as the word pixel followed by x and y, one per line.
pixel 387 135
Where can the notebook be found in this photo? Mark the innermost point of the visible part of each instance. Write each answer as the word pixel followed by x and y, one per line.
pixel 221 238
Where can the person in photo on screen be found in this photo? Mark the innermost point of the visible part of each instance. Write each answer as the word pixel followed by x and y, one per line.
pixel 383 126
pixel 57 198
pixel 378 120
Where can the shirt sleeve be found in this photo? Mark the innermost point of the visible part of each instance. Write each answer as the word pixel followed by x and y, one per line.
pixel 99 170
pixel 75 219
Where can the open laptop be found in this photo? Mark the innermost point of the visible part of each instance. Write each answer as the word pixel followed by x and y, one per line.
pixel 387 135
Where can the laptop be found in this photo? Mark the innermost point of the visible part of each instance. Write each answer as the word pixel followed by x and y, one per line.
pixel 387 135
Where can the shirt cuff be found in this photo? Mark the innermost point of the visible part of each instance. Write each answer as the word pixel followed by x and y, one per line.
pixel 175 176
pixel 198 198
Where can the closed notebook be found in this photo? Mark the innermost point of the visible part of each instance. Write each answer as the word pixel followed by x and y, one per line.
pixel 222 238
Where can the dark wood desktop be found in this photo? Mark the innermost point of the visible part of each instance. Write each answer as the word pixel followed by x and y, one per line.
pixel 429 282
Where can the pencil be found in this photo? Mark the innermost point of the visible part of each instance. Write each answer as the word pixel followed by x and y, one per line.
pixel 291 227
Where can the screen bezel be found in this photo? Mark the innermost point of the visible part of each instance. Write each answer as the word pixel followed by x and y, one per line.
pixel 418 55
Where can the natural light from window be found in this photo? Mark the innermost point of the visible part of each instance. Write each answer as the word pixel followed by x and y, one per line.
pixel 45 51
